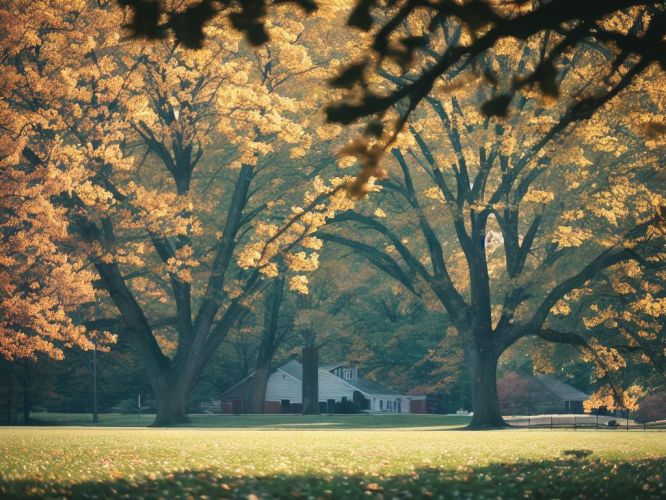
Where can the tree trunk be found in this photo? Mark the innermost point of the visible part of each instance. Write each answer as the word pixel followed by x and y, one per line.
pixel 268 346
pixel 172 383
pixel 95 416
pixel 10 401
pixel 6 393
pixel 482 366
pixel 311 380
pixel 171 407
pixel 27 378
pixel 259 383
pixel 27 403
pixel 171 389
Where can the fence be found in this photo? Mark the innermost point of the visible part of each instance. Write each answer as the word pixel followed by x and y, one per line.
pixel 583 422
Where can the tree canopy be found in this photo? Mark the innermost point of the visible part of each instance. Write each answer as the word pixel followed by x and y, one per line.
pixel 189 179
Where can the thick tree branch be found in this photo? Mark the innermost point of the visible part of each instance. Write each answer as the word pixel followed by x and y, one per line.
pixel 382 261
pixel 607 259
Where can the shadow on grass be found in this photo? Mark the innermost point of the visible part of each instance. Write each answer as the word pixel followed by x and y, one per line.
pixel 563 478
pixel 269 422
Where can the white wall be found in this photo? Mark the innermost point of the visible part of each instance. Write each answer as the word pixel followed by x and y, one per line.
pixel 282 386
pixel 332 387
pixel 382 407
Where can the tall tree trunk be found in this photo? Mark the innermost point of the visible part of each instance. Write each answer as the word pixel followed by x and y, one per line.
pixel 6 393
pixel 173 383
pixel 95 416
pixel 259 384
pixel 311 380
pixel 10 400
pixel 172 400
pixel 269 344
pixel 27 403
pixel 27 385
pixel 482 366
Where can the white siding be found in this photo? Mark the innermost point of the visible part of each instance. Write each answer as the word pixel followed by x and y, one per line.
pixel 332 387
pixel 380 404
pixel 282 386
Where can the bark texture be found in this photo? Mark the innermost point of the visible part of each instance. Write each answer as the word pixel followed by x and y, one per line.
pixel 311 380
pixel 482 367
pixel 270 340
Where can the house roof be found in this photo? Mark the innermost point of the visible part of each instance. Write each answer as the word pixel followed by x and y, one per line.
pixel 421 390
pixel 293 368
pixel 560 389
pixel 371 387
pixel 331 366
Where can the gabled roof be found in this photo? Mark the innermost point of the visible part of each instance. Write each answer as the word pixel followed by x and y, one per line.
pixel 371 387
pixel 330 367
pixel 560 389
pixel 237 385
pixel 293 368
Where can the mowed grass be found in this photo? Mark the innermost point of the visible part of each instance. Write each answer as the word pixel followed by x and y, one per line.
pixel 351 463
pixel 365 421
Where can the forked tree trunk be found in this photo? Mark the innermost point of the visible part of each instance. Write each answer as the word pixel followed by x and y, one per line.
pixel 482 366
pixel 198 338
pixel 311 380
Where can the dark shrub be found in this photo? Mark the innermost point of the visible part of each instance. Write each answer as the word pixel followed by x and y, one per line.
pixel 652 407
pixel 347 407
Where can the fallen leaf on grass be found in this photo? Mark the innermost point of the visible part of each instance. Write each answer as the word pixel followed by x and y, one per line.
pixel 373 487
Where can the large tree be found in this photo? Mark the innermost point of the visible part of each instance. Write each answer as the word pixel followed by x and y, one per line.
pixel 176 171
pixel 502 219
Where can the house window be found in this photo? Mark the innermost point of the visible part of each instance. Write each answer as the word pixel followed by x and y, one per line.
pixel 348 373
pixel 381 404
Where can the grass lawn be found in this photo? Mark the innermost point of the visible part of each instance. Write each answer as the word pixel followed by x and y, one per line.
pixel 262 462
pixel 261 421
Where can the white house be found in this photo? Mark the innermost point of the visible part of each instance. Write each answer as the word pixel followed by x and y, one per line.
pixel 338 383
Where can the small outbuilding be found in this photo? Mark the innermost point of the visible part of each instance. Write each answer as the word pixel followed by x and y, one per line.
pixel 520 393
